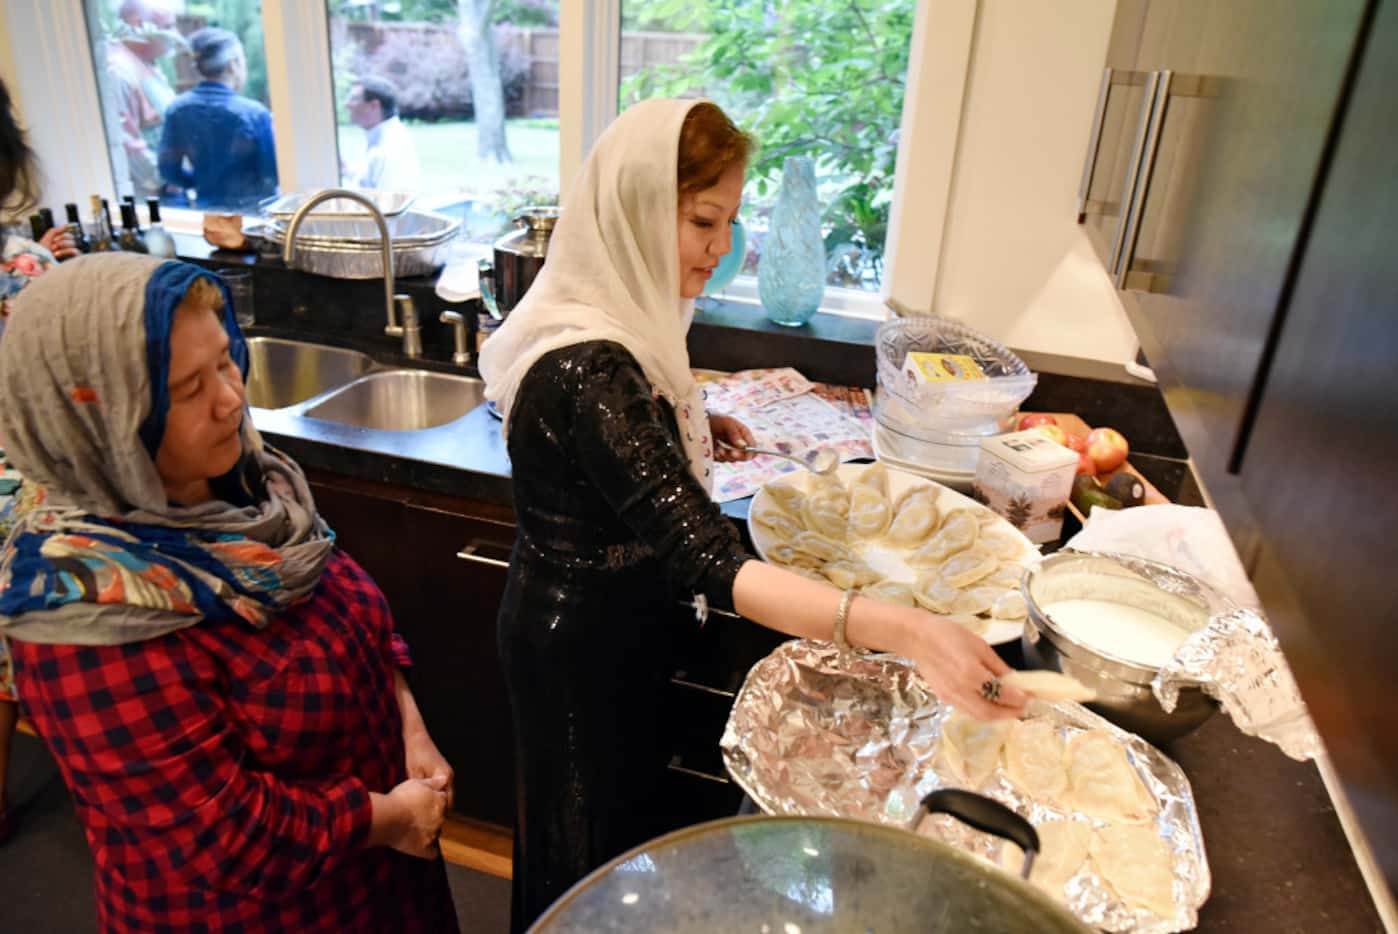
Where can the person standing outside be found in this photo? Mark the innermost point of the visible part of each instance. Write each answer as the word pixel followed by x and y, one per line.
pixel 141 91
pixel 390 160
pixel 217 142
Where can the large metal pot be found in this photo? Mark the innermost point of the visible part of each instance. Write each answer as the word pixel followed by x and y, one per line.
pixel 1123 686
pixel 814 874
pixel 519 255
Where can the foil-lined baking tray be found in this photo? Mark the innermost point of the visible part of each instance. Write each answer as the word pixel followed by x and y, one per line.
pixel 817 731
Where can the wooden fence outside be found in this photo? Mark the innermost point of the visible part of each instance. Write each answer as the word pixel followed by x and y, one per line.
pixel 539 47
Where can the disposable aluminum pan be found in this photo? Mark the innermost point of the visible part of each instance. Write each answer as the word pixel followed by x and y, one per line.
pixel 389 203
pixel 819 732
pixel 348 248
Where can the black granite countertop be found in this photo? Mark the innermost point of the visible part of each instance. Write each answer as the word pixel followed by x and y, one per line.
pixel 1279 858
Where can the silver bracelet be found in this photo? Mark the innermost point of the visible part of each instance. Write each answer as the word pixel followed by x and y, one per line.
pixel 841 618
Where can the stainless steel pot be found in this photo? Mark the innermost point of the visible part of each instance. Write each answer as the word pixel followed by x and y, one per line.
pixel 519 255
pixel 1123 686
pixel 814 874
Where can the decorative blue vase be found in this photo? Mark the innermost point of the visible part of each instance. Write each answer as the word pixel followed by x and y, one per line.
pixel 791 271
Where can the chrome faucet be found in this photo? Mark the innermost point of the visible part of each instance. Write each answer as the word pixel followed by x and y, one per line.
pixel 462 356
pixel 410 330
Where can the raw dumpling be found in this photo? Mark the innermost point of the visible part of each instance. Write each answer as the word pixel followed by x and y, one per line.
pixel 914 516
pixel 1063 847
pixel 848 573
pixel 818 546
pixel 1102 782
pixel 1009 605
pixel 1007 576
pixel 1036 760
pixel 1134 860
pixel 965 568
pixel 869 508
pixel 986 516
pixel 957 533
pixel 811 573
pixel 975 601
pixel 977 624
pixel 1050 685
pixel 1001 542
pixel 933 593
pixel 826 507
pixel 789 555
pixel 786 497
pixel 891 592
pixel 972 747
pixel 781 524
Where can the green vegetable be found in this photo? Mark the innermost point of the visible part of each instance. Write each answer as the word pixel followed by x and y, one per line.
pixel 1087 493
pixel 1127 488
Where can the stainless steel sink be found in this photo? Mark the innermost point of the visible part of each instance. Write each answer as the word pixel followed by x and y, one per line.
pixel 401 400
pixel 284 372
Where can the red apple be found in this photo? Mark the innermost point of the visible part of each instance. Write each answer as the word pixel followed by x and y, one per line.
pixel 1034 419
pixel 1077 443
pixel 1107 448
pixel 1053 433
pixel 1085 465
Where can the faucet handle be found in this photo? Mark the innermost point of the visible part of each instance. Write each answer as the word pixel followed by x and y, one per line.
pixel 462 356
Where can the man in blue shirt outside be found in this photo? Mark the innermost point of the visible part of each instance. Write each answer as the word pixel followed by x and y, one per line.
pixel 215 141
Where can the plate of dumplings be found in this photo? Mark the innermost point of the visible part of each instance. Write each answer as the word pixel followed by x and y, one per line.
pixel 900 538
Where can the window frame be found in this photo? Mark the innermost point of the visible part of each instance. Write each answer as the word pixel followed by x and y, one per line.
pixel 52 73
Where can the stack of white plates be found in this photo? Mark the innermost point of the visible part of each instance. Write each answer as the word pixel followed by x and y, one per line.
pixel 887 448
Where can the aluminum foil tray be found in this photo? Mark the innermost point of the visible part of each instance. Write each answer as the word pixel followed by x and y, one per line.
pixel 815 731
pixel 389 203
pixel 349 249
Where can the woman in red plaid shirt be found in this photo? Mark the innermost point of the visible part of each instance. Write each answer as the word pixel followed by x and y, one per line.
pixel 221 687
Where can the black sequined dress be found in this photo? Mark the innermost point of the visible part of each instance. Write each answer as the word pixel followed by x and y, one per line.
pixel 612 528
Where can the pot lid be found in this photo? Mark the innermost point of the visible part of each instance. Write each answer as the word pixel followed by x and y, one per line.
pixel 801 874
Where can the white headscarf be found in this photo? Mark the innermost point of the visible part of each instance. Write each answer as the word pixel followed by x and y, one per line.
pixel 612 274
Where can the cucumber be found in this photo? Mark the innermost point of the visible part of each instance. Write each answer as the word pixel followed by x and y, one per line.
pixel 1088 494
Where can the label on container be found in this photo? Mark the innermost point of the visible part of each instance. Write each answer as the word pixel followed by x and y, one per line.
pixel 921 367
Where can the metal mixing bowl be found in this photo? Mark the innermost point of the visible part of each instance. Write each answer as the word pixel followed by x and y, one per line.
pixel 1123 688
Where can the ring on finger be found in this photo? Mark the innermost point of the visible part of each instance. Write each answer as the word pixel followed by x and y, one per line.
pixel 990 690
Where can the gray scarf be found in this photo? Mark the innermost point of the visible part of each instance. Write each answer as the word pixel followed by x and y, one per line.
pixel 91 565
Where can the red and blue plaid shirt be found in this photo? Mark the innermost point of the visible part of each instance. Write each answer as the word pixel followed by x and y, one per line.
pixel 223 773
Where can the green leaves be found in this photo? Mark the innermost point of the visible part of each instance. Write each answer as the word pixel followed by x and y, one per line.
pixel 822 78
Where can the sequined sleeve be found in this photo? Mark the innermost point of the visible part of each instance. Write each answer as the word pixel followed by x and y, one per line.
pixel 628 450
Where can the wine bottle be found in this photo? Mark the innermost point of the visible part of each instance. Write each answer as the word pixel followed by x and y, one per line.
pixel 130 237
pixel 36 227
pixel 47 217
pixel 101 232
pixel 158 239
pixel 75 227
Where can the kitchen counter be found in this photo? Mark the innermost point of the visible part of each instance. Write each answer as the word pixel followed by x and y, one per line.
pixel 1279 858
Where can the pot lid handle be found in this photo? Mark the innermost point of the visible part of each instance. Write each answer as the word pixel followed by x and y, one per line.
pixel 985 814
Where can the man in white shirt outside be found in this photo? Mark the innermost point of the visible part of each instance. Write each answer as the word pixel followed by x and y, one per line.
pixel 390 158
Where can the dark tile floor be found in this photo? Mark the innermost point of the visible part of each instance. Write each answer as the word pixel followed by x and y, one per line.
pixel 46 869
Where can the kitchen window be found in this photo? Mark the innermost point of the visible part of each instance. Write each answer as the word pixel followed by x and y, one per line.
pixel 183 92
pixel 474 88
pixel 807 78
pixel 574 89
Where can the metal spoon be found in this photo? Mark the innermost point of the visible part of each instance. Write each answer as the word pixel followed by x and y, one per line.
pixel 820 461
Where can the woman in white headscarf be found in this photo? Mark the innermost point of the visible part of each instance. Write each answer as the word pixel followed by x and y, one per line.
pixel 611 451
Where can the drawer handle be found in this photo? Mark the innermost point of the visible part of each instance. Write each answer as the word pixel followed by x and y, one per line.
pixel 1094 143
pixel 1148 148
pixel 469 554
pixel 679 679
pixel 1132 190
pixel 677 766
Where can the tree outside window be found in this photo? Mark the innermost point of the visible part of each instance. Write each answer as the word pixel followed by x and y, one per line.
pixel 820 78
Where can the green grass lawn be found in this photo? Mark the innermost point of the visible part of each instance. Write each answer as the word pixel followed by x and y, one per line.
pixel 447 152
